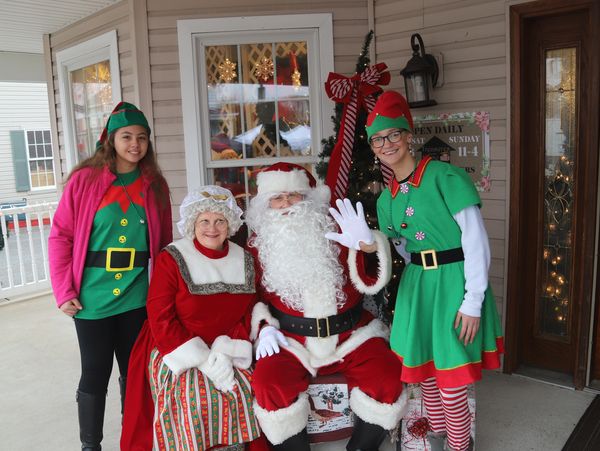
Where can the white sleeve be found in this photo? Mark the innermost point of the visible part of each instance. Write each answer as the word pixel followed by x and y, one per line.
pixel 476 248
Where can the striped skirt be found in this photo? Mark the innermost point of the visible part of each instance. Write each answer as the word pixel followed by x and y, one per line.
pixel 191 414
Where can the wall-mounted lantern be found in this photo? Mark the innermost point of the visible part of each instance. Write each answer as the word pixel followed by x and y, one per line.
pixel 420 75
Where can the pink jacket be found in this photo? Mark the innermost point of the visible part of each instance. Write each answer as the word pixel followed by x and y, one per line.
pixel 72 226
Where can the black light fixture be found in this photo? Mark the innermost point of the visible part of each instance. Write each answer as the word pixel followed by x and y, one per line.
pixel 420 75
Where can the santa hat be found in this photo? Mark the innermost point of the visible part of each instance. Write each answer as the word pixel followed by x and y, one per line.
pixel 124 115
pixel 390 111
pixel 284 177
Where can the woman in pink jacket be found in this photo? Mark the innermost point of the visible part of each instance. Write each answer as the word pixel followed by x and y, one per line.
pixel 112 220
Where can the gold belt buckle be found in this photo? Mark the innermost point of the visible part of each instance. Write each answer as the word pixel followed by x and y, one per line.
pixel 433 254
pixel 109 252
pixel 319 327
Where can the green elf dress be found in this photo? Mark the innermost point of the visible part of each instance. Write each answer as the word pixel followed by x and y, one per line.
pixel 120 228
pixel 420 211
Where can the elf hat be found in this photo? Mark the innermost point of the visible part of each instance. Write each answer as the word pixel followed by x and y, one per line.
pixel 123 115
pixel 284 177
pixel 390 111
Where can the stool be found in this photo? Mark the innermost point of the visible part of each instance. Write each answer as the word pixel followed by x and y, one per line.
pixel 330 418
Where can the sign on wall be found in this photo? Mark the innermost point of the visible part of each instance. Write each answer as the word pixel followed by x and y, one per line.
pixel 462 139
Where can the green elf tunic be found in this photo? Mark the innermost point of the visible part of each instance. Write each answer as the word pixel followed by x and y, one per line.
pixel 428 300
pixel 117 225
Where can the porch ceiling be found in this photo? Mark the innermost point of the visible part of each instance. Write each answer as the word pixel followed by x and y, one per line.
pixel 23 22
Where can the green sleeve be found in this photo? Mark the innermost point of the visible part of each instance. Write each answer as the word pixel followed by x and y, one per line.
pixel 384 213
pixel 458 189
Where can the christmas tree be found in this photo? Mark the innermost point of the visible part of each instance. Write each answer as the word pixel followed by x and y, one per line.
pixel 365 180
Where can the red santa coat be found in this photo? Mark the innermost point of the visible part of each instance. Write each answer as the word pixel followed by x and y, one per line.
pixel 280 381
pixel 185 319
pixel 315 352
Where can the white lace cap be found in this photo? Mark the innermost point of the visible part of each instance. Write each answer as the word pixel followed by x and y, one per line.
pixel 209 198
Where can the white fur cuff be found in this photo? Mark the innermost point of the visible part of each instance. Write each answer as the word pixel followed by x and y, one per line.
pixel 261 313
pixel 240 351
pixel 279 425
pixel 385 415
pixel 190 354
pixel 384 272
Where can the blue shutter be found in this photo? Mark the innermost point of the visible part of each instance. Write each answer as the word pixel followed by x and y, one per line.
pixel 20 161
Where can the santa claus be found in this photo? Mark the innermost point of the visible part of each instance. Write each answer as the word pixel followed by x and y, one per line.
pixel 311 320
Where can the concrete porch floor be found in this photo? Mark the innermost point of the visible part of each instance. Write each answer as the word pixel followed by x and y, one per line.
pixel 40 371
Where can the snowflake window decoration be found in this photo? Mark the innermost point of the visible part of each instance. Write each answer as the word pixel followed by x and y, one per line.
pixel 264 69
pixel 227 70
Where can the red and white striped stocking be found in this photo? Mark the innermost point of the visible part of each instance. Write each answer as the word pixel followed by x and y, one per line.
pixel 433 404
pixel 458 417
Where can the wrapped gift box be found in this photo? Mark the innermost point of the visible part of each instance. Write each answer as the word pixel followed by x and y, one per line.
pixel 413 434
pixel 330 417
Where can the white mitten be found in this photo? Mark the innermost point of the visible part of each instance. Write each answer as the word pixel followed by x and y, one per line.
pixel 352 223
pixel 219 370
pixel 269 340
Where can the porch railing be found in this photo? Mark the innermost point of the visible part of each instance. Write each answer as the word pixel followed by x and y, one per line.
pixel 24 265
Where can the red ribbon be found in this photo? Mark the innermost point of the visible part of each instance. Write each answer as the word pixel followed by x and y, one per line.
pixel 356 93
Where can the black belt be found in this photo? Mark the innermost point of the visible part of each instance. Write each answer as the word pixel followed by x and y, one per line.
pixel 430 259
pixel 117 259
pixel 318 327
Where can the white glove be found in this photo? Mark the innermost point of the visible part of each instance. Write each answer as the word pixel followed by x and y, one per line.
pixel 269 340
pixel 352 223
pixel 219 370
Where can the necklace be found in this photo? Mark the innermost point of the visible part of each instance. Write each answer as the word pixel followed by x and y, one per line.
pixel 142 220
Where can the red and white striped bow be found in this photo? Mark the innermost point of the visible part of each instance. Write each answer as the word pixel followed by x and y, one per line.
pixel 356 93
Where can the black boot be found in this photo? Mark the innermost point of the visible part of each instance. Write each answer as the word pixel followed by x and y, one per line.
pixel 298 442
pixel 91 420
pixel 122 385
pixel 366 436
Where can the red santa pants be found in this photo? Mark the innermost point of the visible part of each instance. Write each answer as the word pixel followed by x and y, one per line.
pixel 372 367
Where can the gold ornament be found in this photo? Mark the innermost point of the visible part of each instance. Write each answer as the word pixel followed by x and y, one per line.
pixel 227 70
pixel 296 79
pixel 264 68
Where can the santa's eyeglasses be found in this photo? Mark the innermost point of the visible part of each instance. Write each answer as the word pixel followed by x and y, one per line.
pixel 292 197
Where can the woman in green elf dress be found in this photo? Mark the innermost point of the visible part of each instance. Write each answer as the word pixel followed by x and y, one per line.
pixel 445 328
pixel 113 218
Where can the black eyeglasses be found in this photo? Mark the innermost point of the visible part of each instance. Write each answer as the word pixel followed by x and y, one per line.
pixel 379 141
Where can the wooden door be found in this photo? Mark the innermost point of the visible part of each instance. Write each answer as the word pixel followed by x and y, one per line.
pixel 553 186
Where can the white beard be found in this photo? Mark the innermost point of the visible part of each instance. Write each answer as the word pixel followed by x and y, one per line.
pixel 299 264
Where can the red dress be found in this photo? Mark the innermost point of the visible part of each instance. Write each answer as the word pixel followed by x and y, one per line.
pixel 196 295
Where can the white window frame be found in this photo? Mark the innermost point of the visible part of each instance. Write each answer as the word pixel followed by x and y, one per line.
pixel 29 159
pixel 318 28
pixel 92 51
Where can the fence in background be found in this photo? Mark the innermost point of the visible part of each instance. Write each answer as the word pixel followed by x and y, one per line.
pixel 24 242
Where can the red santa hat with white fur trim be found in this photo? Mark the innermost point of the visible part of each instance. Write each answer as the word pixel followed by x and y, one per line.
pixel 289 177
pixel 284 177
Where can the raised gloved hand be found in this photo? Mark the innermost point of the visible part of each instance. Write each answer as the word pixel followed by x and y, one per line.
pixel 269 340
pixel 352 223
pixel 219 369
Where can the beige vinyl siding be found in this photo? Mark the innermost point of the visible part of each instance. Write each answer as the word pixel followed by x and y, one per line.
pixel 114 17
pixel 350 25
pixel 23 106
pixel 471 36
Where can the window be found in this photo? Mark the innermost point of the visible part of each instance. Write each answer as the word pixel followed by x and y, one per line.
pixel 88 92
pixel 39 155
pixel 258 97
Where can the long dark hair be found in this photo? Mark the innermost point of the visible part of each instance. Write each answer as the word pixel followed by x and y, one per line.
pixel 106 156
